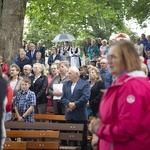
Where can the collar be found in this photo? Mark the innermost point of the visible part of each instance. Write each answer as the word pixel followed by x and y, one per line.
pixel 104 70
pixel 121 74
pixel 24 92
pixel 36 77
pixel 137 73
pixel 128 76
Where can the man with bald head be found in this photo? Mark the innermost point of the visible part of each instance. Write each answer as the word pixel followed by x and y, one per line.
pixel 76 93
pixel 27 70
pixel 104 71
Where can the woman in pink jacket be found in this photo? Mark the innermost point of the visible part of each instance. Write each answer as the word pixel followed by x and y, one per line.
pixel 124 122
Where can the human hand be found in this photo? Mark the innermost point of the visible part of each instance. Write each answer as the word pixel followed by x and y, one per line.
pixel 94 141
pixel 57 93
pixel 20 119
pixel 69 110
pixel 88 105
pixel 72 105
pixel 94 125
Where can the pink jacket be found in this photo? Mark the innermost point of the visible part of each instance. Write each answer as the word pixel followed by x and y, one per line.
pixel 125 112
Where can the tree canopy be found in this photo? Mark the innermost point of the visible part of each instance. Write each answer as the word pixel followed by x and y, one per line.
pixel 86 18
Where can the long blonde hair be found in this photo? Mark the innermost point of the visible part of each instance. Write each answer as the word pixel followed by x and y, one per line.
pixel 97 72
pixel 41 68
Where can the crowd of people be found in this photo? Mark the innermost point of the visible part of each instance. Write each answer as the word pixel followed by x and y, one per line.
pixel 112 85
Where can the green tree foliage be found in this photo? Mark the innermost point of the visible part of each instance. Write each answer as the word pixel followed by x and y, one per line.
pixel 139 10
pixel 86 18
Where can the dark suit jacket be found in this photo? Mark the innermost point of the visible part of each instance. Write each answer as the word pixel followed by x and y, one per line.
pixel 51 60
pixel 21 63
pixel 29 55
pixel 95 96
pixel 80 96
pixel 42 50
pixel 41 61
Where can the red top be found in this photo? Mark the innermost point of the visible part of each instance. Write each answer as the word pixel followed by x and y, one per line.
pixel 4 68
pixel 9 98
pixel 125 112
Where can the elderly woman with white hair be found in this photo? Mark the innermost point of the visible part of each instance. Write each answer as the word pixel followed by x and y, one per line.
pixel 38 59
pixel 39 85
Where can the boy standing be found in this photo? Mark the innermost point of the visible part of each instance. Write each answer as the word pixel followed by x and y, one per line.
pixel 24 102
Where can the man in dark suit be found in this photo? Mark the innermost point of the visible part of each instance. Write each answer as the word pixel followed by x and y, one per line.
pixel 41 49
pixel 32 52
pixel 76 93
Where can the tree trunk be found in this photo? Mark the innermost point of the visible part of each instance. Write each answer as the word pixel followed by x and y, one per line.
pixel 12 13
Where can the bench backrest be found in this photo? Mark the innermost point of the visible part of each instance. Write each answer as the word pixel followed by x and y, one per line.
pixel 73 131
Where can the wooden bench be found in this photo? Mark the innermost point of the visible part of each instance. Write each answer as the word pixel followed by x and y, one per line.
pixel 40 136
pixel 68 131
pixel 53 117
pixel 13 145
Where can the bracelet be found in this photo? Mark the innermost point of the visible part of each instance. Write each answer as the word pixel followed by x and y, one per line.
pixel 23 117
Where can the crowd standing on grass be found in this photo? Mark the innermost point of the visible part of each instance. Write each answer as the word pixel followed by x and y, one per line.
pixel 48 77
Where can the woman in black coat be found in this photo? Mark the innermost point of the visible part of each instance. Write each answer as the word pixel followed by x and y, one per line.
pixel 39 85
pixel 97 87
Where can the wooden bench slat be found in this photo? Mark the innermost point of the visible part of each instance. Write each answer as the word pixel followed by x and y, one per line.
pixel 71 136
pixel 44 126
pixel 14 145
pixel 43 145
pixel 49 117
pixel 32 134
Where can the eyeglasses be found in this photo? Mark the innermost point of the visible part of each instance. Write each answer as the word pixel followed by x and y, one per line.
pixel 53 68
pixel 102 63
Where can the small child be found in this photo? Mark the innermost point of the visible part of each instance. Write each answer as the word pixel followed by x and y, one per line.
pixel 24 102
